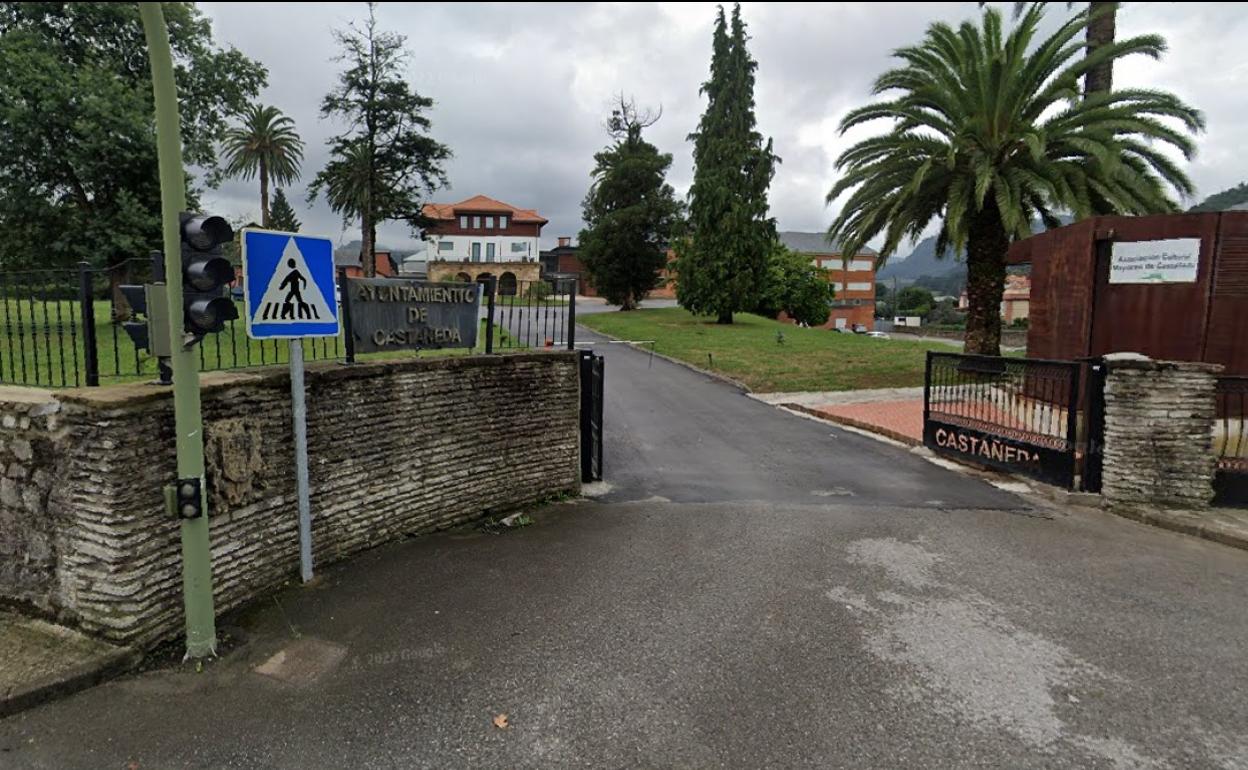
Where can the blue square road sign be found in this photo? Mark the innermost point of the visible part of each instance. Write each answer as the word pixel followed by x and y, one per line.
pixel 288 285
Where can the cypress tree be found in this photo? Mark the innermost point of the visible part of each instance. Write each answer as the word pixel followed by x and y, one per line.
pixel 722 266
pixel 282 214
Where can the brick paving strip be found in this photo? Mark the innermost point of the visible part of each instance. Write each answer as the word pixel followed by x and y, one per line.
pixel 893 412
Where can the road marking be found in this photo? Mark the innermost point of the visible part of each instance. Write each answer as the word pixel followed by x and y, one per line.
pixel 833 492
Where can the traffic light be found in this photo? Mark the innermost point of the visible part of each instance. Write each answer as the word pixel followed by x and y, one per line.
pixel 184 499
pixel 206 275
pixel 136 298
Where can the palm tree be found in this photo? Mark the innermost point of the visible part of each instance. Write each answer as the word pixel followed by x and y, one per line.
pixel 1102 27
pixel 990 132
pixel 346 181
pixel 265 145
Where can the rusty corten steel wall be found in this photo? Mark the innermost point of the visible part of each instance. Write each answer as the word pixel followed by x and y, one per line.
pixel 1227 340
pixel 1076 312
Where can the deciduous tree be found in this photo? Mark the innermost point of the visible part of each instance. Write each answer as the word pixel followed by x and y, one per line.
pixel 78 174
pixel 797 287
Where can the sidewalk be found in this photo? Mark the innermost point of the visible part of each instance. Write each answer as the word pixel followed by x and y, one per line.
pixel 43 661
pixel 893 412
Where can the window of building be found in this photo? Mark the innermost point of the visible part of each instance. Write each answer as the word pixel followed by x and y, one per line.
pixel 489 223
pixel 519 247
pixel 859 286
pixel 816 262
pixel 476 223
pixel 502 221
pixel 476 252
pixel 838 286
pixel 463 221
pixel 489 252
pixel 445 246
pixel 862 265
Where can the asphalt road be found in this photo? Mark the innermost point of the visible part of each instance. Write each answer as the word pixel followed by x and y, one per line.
pixel 755 590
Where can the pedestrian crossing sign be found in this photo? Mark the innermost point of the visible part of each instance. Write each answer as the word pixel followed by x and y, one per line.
pixel 288 285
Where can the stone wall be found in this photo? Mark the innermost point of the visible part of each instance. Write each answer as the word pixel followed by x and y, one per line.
pixel 1010 338
pixel 30 459
pixel 395 449
pixel 525 272
pixel 1159 418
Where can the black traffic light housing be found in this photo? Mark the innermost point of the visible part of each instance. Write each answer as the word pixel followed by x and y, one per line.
pixel 136 298
pixel 206 275
pixel 186 498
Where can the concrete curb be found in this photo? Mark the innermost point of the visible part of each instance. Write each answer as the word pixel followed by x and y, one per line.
pixel 70 681
pixel 859 424
pixel 1226 528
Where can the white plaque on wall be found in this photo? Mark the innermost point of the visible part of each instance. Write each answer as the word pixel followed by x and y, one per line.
pixel 1172 260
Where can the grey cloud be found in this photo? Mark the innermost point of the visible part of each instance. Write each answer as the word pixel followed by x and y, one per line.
pixel 521 90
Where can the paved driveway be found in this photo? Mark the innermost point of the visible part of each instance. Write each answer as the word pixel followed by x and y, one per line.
pixel 756 590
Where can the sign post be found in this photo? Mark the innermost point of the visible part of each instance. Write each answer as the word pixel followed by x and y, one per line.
pixel 289 293
pixel 300 414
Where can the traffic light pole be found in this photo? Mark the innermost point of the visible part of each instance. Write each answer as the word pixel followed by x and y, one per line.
pixel 201 635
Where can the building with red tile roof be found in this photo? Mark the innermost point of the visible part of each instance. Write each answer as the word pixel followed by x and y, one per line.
pixel 482 229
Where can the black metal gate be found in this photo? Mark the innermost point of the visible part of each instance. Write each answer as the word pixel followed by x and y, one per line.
pixel 1093 445
pixel 1019 415
pixel 592 370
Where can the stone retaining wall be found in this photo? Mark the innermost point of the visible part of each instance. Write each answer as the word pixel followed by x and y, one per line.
pixel 395 449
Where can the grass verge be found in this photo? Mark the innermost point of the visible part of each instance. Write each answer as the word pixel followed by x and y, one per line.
pixel 768 356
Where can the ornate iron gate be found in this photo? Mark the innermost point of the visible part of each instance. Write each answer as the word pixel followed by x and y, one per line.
pixel 592 371
pixel 1019 415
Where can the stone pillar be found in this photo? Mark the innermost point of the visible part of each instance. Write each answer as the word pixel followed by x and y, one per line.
pixel 1159 419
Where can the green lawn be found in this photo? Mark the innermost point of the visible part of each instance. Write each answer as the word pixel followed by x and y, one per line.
pixel 42 343
pixel 750 352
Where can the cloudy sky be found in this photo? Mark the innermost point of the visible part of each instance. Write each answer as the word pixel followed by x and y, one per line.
pixel 521 90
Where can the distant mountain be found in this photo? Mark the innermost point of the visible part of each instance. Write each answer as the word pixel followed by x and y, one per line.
pixel 923 261
pixel 1225 200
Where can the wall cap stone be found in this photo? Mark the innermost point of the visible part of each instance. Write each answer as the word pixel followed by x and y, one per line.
pixel 278 377
pixel 20 394
pixel 1140 362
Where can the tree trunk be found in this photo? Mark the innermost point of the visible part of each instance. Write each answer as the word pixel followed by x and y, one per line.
pixel 264 195
pixel 987 243
pixel 1102 21
pixel 368 256
pixel 724 317
pixel 118 274
pixel 372 239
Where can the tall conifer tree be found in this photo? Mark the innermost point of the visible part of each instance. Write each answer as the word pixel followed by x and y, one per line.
pixel 722 266
pixel 631 212
pixel 283 217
